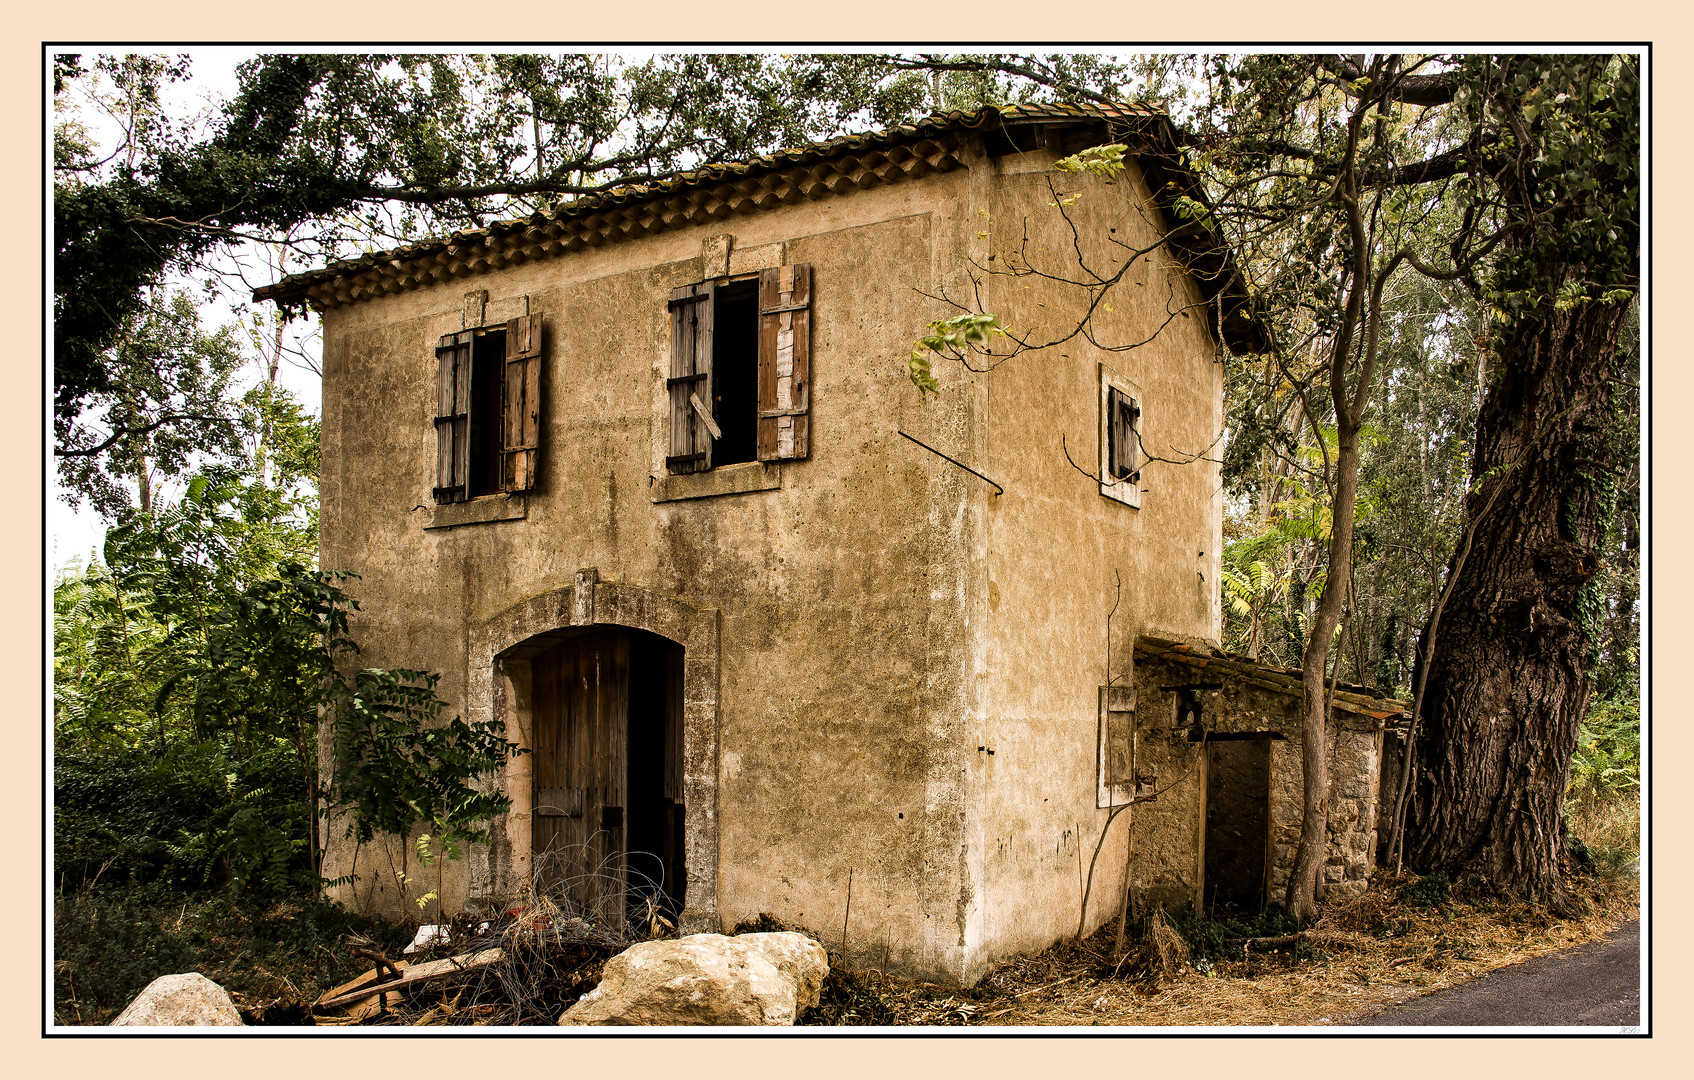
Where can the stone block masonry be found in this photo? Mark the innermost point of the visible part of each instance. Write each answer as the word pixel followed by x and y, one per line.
pixel 1236 702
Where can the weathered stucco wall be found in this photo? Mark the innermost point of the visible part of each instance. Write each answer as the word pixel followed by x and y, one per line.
pixel 904 689
pixel 1057 551
pixel 842 593
pixel 1169 832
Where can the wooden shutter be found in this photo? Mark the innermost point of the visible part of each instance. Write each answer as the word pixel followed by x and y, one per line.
pixel 452 418
pixel 1132 439
pixel 521 425
pixel 691 376
pixel 1114 434
pixel 785 362
pixel 1121 414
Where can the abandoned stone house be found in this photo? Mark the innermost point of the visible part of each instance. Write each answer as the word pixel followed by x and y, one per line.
pixel 644 479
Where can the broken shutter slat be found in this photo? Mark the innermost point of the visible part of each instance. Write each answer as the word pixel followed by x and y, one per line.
pixel 452 418
pixel 785 363
pixel 521 422
pixel 705 416
pixel 691 374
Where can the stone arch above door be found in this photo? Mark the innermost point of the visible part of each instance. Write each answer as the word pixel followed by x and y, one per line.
pixel 497 689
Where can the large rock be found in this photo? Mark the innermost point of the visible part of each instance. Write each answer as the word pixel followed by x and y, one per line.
pixel 757 980
pixel 798 957
pixel 188 1000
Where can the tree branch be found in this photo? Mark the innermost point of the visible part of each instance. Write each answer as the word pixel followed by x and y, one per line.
pixel 126 432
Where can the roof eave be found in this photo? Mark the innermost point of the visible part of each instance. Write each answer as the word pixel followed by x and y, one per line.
pixel 936 141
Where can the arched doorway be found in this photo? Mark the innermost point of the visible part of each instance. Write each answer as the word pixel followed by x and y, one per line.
pixel 501 687
pixel 606 778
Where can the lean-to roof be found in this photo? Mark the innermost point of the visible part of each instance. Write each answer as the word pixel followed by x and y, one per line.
pixel 1371 709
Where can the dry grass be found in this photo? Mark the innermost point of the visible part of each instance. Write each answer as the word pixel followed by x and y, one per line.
pixel 1611 832
pixel 1361 957
pixel 1394 942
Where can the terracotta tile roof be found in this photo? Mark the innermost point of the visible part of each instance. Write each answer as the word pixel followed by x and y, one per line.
pixel 720 189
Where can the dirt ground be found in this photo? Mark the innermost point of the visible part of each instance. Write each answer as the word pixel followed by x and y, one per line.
pixel 1403 938
pixel 1385 947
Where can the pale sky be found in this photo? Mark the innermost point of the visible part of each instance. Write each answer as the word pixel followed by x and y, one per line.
pixel 74 533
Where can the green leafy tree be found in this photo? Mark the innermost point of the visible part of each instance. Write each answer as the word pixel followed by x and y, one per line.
pixel 1509 673
pixel 330 153
pixel 167 403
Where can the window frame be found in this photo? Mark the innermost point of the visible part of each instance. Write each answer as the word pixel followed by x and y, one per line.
pixel 1127 489
pixel 782 378
pixel 462 417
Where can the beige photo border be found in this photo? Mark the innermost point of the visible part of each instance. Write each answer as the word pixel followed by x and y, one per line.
pixel 968 1053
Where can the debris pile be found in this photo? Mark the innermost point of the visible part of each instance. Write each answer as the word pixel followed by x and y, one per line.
pixel 521 960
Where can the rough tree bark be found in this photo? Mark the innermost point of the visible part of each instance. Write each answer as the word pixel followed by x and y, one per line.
pixel 1508 681
pixel 1509 671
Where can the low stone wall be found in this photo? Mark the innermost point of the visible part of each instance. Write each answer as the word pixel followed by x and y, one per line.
pixel 1170 831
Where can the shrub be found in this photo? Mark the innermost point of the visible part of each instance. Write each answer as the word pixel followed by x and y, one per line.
pixel 194 816
pixel 112 807
pixel 1432 890
pixel 1208 938
pixel 1607 763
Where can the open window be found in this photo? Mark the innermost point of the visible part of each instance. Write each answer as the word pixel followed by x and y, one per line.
pixel 1121 458
pixel 740 381
pixel 488 412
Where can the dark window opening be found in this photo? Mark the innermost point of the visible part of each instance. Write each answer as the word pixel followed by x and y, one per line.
pixel 1188 711
pixel 735 372
pixel 1123 416
pixel 488 369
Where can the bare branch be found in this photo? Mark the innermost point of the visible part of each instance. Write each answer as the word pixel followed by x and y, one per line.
pixel 127 432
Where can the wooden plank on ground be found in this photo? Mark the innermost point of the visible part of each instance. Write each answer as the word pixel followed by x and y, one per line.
pixel 414 975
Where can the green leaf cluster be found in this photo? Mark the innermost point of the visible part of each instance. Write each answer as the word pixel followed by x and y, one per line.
pixel 1607 761
pixel 397 765
pixel 949 338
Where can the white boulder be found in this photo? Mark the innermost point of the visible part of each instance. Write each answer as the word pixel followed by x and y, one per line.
pixel 798 957
pixel 187 1000
pixel 757 980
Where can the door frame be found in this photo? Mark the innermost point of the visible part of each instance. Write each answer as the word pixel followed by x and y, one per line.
pixel 498 689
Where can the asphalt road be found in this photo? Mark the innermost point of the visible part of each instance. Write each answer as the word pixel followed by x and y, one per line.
pixel 1593 985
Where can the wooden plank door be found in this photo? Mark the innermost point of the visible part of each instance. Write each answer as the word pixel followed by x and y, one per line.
pixel 581 724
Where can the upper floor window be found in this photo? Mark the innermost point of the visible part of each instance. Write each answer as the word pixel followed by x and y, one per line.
pixel 488 411
pixel 740 381
pixel 1120 438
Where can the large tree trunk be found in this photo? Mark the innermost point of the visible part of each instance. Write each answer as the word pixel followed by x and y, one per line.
pixel 1508 680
